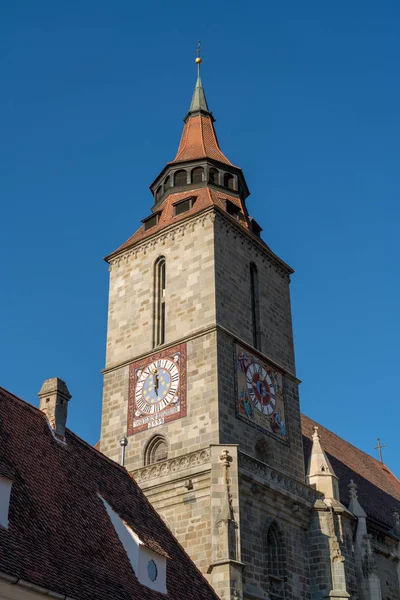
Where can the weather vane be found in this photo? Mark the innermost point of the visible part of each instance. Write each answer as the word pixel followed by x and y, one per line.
pixel 198 60
pixel 379 448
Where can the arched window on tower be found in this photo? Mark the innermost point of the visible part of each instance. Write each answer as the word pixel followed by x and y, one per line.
pixel 158 193
pixel 156 450
pixel 255 306
pixel 229 181
pixel 159 301
pixel 198 175
pixel 262 451
pixel 275 562
pixel 213 176
pixel 167 183
pixel 180 178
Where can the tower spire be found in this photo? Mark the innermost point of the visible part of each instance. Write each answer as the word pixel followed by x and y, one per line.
pixel 199 102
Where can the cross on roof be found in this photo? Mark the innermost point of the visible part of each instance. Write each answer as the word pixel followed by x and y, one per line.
pixel 379 448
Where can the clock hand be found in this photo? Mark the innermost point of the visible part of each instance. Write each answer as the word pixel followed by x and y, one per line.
pixel 156 382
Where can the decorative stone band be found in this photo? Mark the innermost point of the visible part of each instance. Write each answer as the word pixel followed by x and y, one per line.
pixel 173 465
pixel 177 230
pixel 277 478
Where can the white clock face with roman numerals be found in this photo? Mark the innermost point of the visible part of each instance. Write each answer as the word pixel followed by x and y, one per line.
pixel 261 388
pixel 157 386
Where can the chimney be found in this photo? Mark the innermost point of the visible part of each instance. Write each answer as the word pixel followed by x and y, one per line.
pixel 54 397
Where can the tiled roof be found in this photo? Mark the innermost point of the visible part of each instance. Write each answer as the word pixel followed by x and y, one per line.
pixel 378 488
pixel 59 535
pixel 205 197
pixel 199 140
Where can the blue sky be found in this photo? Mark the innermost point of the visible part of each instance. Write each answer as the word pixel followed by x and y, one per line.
pixel 306 97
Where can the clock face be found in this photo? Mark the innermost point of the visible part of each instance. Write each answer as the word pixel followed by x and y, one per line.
pixel 157 386
pixel 260 388
pixel 157 389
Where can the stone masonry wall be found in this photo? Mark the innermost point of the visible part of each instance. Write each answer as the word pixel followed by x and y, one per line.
pixel 259 507
pixel 234 251
pixel 190 289
pixel 190 311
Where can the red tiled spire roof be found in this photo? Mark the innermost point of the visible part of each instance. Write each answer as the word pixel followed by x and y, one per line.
pixel 199 140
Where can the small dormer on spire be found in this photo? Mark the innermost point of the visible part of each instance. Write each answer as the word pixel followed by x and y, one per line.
pixel 320 473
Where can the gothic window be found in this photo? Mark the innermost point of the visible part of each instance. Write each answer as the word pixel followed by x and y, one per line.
pixel 156 450
pixel 180 178
pixel 229 181
pixel 213 176
pixel 255 307
pixel 197 175
pixel 159 292
pixel 167 183
pixel 275 562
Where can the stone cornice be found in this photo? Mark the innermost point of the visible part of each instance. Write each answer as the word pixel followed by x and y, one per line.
pixel 173 465
pixel 208 214
pixel 160 237
pixel 273 478
pixel 192 336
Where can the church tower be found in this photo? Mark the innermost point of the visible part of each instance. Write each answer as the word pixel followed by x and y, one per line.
pixel 200 374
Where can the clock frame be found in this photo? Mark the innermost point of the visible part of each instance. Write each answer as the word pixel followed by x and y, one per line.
pixel 260 393
pixel 157 389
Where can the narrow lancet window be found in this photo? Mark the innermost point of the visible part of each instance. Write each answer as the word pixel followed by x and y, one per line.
pixel 255 307
pixel 159 320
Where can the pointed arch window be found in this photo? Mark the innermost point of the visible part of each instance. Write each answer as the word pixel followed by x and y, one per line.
pixel 156 450
pixel 275 562
pixel 255 305
pixel 159 293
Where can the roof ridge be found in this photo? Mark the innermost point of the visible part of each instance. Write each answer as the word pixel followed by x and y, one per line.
pixel 40 413
pixel 25 404
pixel 349 443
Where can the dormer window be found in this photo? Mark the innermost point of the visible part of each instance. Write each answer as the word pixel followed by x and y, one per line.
pixel 149 566
pixel 232 209
pixel 5 494
pixel 184 205
pixel 151 221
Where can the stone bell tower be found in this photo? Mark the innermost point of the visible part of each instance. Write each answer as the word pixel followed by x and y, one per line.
pixel 200 374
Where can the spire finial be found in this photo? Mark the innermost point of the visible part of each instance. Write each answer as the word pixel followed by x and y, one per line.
pixel 198 60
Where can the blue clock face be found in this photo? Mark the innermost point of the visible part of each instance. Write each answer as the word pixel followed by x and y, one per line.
pixel 157 386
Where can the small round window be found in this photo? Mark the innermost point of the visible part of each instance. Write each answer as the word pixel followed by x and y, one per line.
pixel 152 570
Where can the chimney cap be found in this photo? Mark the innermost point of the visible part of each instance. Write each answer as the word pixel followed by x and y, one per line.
pixel 54 385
